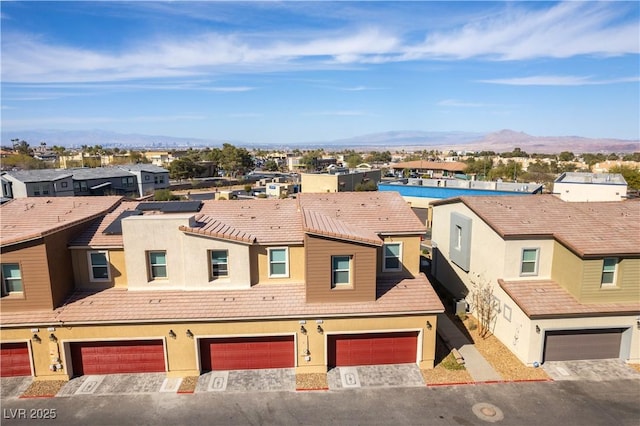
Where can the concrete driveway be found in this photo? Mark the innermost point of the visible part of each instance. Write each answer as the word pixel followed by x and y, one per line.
pixel 390 375
pixel 596 370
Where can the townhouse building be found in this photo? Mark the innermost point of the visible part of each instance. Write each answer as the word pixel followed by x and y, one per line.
pixel 310 283
pixel 564 276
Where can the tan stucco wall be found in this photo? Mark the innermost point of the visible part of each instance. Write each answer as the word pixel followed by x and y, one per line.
pixel 410 255
pixel 513 258
pixel 118 270
pixel 318 182
pixel 567 269
pixel 182 353
pixel 259 258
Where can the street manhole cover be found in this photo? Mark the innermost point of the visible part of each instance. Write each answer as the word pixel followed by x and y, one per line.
pixel 487 412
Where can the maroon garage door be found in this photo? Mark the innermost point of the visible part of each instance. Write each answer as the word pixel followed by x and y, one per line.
pixel 564 345
pixel 14 360
pixel 131 356
pixel 244 353
pixel 372 349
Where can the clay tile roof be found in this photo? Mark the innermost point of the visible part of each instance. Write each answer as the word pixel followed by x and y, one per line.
pixel 93 236
pixel 263 301
pixel 317 223
pixel 211 227
pixel 588 229
pixel 375 212
pixel 34 217
pixel 265 221
pixel 547 299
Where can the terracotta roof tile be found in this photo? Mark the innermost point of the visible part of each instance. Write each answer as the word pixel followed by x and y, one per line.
pixel 375 212
pixel 211 227
pixel 547 299
pixel 27 218
pixel 94 236
pixel 320 224
pixel 589 229
pixel 262 301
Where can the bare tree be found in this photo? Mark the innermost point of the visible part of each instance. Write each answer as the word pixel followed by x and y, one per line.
pixel 486 306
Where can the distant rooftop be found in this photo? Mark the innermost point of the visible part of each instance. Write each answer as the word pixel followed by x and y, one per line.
pixel 595 178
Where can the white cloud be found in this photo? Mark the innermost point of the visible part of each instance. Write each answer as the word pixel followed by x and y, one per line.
pixel 558 80
pixel 522 31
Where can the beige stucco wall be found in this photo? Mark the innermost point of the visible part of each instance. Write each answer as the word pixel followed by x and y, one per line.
pixel 260 264
pixel 513 258
pixel 567 269
pixel 589 191
pixel 410 255
pixel 311 182
pixel 117 271
pixel 182 353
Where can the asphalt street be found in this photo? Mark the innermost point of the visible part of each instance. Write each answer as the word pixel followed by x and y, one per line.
pixel 585 403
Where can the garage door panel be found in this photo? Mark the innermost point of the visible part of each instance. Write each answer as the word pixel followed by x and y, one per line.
pixel 371 349
pixel 14 360
pixel 118 357
pixel 565 345
pixel 245 353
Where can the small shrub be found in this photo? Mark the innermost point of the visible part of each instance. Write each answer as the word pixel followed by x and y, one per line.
pixel 262 195
pixel 472 325
pixel 450 363
pixel 247 188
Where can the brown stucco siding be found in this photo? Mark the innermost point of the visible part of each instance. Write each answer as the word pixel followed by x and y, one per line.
pixel 318 271
pixel 32 258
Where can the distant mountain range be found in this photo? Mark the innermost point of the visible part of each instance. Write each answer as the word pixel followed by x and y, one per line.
pixel 501 141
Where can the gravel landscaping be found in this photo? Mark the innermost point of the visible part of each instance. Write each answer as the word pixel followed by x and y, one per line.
pixel 312 381
pixel 43 388
pixel 188 384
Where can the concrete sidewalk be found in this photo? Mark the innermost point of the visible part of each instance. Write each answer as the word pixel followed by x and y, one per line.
pixel 478 367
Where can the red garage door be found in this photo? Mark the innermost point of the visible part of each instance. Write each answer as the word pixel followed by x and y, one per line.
pixel 244 353
pixel 134 356
pixel 372 349
pixel 14 360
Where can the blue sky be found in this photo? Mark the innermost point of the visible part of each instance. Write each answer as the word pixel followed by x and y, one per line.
pixel 270 72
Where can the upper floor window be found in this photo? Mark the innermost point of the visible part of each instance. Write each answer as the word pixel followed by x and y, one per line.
pixel 158 179
pixel 278 262
pixel 609 267
pixel 392 257
pixel 45 189
pixel 80 185
pixel 11 278
pixel 460 240
pixel 157 265
pixel 219 264
pixel 99 266
pixel 340 271
pixel 64 184
pixel 529 263
pixel 127 181
pixel 36 190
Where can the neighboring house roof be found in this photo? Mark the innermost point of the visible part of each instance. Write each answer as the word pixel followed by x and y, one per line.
pixel 586 228
pixel 450 166
pixel 355 216
pixel 264 301
pixel 89 173
pixel 41 175
pixel 374 212
pixel 150 168
pixel 592 178
pixel 24 219
pixel 547 299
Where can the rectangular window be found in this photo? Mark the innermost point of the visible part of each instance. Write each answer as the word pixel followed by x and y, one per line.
pixel 63 184
pixel 340 271
pixel 219 264
pixel 392 257
pixel 99 266
pixel 36 190
pixel 11 278
pixel 146 177
pixel 609 271
pixel 529 264
pixel 76 186
pixel 278 262
pixel 458 237
pixel 158 264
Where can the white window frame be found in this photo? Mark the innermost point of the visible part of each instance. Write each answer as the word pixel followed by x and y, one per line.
pixel 614 273
pixel 536 262
pixel 211 264
pixel 348 284
pixel 385 257
pixel 92 277
pixel 150 266
pixel 286 262
pixel 5 289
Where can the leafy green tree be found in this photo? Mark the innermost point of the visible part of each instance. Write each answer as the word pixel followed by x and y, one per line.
pixel 164 195
pixel 566 156
pixel 353 160
pixel 23 161
pixel 631 157
pixel 235 161
pixel 310 159
pixel 631 175
pixel 21 147
pixel 366 186
pixel 378 157
pixel 271 166
pixel 184 168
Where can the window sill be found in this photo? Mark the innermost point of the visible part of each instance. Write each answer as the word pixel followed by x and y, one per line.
pixel 341 287
pixel 608 287
pixel 14 296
